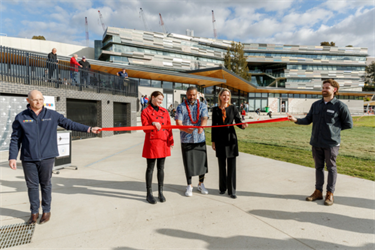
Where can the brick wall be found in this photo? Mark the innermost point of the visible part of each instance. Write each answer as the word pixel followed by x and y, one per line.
pixel 105 108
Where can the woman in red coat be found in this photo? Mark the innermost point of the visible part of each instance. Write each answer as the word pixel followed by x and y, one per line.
pixel 158 142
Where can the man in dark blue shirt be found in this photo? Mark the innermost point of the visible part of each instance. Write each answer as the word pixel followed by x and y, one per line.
pixel 34 132
pixel 123 74
pixel 329 116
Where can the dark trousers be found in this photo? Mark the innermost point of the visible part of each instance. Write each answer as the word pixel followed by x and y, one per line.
pixel 150 171
pixel 227 176
pixel 328 156
pixel 39 173
pixel 188 179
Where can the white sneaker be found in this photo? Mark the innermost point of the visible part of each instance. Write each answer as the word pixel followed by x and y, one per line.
pixel 202 189
pixel 189 191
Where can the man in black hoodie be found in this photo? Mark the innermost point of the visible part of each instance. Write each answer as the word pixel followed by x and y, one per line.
pixel 85 75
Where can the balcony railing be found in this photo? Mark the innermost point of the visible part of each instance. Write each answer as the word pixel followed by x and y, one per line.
pixel 23 67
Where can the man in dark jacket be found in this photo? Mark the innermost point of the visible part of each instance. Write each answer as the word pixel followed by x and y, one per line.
pixel 34 131
pixel 329 116
pixel 85 76
pixel 52 63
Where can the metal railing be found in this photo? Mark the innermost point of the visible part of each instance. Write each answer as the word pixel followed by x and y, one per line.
pixel 23 67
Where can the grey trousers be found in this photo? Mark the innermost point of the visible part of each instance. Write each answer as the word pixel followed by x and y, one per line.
pixel 328 156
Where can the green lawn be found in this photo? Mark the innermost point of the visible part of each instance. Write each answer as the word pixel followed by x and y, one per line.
pixel 288 142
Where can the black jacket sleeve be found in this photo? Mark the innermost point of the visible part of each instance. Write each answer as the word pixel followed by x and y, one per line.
pixel 345 118
pixel 237 116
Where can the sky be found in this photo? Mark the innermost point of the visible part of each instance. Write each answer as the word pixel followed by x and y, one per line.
pixel 300 22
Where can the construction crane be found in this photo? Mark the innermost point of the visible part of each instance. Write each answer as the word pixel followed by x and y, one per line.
pixel 101 20
pixel 142 16
pixel 162 23
pixel 213 24
pixel 87 32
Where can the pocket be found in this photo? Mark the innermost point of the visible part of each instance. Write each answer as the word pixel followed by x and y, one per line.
pixel 159 135
pixel 329 117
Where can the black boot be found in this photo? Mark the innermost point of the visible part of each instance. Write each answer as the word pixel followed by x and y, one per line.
pixel 161 196
pixel 150 198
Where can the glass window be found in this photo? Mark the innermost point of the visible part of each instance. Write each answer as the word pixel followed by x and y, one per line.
pixel 209 90
pixel 167 85
pixel 258 94
pixel 251 94
pixel 185 86
pixel 257 104
pixel 277 95
pixel 251 105
pixel 177 85
pixel 296 96
pixel 144 82
pixel 264 95
pixel 284 95
pixel 308 96
pixel 264 104
pixel 302 96
pixel 155 84
pixel 271 95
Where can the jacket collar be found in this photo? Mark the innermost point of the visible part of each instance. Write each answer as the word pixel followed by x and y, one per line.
pixel 333 101
pixel 32 113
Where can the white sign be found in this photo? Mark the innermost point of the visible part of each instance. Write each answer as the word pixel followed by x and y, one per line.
pixel 49 102
pixel 63 144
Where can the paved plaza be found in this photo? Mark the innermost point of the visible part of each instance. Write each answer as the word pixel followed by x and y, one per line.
pixel 102 205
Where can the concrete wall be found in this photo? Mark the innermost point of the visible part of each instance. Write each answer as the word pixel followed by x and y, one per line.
pixel 63 49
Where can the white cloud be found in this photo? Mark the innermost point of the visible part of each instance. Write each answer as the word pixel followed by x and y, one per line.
pixel 274 21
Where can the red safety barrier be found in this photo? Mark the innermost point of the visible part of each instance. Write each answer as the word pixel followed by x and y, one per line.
pixel 183 127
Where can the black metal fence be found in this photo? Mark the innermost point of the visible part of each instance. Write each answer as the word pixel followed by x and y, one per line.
pixel 27 68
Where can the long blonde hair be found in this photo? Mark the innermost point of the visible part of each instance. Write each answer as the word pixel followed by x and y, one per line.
pixel 221 92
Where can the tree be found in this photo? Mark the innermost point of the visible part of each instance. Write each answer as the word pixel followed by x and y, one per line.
pixel 38 37
pixel 327 44
pixel 369 76
pixel 235 61
pixel 349 46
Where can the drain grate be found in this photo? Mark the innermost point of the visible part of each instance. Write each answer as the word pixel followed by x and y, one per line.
pixel 15 235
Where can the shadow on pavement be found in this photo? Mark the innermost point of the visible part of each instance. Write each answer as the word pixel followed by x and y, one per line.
pixel 342 200
pixel 250 242
pixel 337 221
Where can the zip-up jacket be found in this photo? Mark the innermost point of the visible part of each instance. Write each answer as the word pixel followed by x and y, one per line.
pixel 38 134
pixel 328 121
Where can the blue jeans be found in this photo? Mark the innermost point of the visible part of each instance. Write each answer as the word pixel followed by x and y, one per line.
pixel 74 76
pixel 39 173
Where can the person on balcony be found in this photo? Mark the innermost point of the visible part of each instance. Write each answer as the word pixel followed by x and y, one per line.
pixel 52 62
pixel 74 69
pixel 85 74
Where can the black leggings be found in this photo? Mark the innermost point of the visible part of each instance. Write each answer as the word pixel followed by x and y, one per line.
pixel 201 179
pixel 150 171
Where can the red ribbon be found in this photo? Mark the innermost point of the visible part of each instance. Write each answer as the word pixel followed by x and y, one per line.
pixel 182 127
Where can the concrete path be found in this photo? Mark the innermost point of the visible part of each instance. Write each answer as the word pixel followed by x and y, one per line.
pixel 102 205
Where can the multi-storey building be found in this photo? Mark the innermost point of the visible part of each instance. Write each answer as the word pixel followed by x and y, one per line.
pixel 277 71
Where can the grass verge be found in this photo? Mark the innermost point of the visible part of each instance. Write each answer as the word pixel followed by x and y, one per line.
pixel 288 142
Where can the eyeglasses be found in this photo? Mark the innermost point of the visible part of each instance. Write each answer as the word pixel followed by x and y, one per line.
pixel 37 100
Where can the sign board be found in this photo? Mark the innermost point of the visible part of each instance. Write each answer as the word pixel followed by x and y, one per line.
pixel 63 144
pixel 49 102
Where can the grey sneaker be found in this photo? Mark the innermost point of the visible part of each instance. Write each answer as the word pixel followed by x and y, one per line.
pixel 202 189
pixel 189 191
